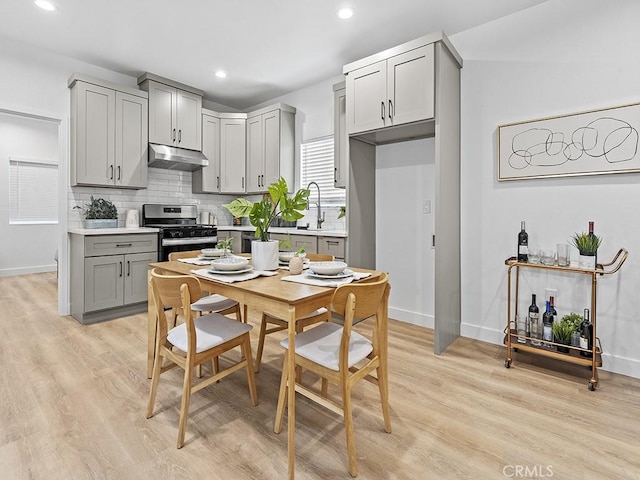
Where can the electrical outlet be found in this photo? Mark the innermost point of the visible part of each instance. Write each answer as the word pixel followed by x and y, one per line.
pixel 426 207
pixel 551 292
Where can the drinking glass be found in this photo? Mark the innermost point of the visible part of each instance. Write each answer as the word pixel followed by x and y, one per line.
pixel 563 254
pixel 548 257
pixel 521 327
pixel 534 256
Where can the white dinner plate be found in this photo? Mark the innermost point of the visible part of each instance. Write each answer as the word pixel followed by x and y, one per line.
pixel 346 273
pixel 210 257
pixel 248 268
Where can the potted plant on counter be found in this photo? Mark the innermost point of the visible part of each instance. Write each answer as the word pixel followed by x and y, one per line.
pixel 99 213
pixel 587 245
pixel 277 203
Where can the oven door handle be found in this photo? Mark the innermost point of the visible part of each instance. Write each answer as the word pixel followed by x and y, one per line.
pixel 168 242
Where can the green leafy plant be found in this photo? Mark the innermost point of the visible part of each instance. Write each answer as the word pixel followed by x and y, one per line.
pixel 225 244
pixel 562 332
pixel 573 319
pixel 585 243
pixel 99 208
pixel 343 211
pixel 276 203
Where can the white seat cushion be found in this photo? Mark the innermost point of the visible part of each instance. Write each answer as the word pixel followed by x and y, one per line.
pixel 213 303
pixel 319 311
pixel 211 330
pixel 321 345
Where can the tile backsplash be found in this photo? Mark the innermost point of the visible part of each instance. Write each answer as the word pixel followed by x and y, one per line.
pixel 172 186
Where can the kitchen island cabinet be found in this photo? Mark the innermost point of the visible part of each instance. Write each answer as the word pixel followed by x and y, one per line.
pixel 109 274
pixel 309 243
pixel 175 112
pixel 332 246
pixel 270 147
pixel 109 131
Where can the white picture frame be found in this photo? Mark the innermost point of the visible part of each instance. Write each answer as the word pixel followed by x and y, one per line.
pixel 593 142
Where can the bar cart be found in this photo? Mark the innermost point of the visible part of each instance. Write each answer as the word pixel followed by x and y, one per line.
pixel 574 356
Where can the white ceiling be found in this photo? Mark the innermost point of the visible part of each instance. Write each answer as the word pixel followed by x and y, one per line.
pixel 268 47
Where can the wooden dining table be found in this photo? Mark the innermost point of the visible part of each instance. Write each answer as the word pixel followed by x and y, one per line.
pixel 282 299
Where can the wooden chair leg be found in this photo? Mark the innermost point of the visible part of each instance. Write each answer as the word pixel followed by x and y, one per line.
pixel 251 379
pixel 348 426
pixel 215 363
pixel 184 408
pixel 239 315
pixel 325 387
pixel 199 371
pixel 245 317
pixel 282 395
pixel 155 378
pixel 263 334
pixel 383 386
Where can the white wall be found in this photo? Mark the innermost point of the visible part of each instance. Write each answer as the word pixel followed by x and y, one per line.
pixel 560 57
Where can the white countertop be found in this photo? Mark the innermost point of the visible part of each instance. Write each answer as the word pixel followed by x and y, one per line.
pixel 112 231
pixel 289 230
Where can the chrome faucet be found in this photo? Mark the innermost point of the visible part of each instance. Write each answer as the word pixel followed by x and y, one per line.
pixel 320 219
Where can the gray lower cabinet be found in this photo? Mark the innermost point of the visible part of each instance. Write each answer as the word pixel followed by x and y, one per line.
pixel 309 242
pixel 237 241
pixel 109 275
pixel 332 246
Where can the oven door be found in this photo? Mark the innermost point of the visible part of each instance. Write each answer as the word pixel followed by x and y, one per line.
pixel 169 245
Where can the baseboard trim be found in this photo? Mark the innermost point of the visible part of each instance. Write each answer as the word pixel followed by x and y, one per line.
pixel 10 272
pixel 414 318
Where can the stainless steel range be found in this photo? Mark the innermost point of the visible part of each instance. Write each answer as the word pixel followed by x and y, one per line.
pixel 179 231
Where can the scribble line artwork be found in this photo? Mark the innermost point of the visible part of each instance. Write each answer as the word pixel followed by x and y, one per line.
pixel 595 142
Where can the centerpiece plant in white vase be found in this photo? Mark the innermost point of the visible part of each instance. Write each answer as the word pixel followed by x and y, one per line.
pixel 277 203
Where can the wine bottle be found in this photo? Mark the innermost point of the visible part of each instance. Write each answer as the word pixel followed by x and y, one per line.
pixel 523 244
pixel 552 302
pixel 592 238
pixel 534 322
pixel 547 325
pixel 586 335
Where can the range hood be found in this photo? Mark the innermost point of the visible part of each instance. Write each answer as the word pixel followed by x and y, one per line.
pixel 174 158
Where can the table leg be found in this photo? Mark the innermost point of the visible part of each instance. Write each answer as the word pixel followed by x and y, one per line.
pixel 291 392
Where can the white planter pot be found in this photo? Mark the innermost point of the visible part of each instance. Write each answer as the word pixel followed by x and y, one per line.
pixel 264 255
pixel 101 223
pixel 587 261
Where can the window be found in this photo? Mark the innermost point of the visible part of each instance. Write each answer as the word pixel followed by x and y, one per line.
pixel 33 191
pixel 317 166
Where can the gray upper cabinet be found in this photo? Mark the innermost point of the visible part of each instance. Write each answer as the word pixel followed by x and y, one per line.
pixel 340 138
pixel 207 179
pixel 232 153
pixel 108 134
pixel 270 147
pixel 175 112
pixel 392 91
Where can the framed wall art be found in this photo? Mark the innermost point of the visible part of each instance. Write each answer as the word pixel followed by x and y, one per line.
pixel 589 143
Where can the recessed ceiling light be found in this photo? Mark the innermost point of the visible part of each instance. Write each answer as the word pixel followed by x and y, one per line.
pixel 345 13
pixel 43 4
pixel 221 74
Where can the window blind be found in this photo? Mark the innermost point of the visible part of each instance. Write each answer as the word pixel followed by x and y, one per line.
pixel 33 191
pixel 317 166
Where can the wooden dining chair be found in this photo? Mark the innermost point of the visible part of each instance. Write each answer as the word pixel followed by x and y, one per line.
pixel 194 342
pixel 211 302
pixel 343 357
pixel 319 315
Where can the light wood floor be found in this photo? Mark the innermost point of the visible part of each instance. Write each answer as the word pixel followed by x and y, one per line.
pixel 72 403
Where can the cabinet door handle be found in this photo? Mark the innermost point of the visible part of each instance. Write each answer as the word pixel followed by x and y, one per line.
pixel 259 184
pixel 128 268
pixel 120 268
pixel 111 175
pixel 332 242
pixel 217 182
pixel 118 172
pixel 174 135
pixel 382 111
pixel 242 182
pixel 179 135
pixel 124 245
pixel 390 110
pixel 335 174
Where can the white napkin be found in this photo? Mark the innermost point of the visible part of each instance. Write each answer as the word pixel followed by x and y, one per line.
pixel 325 282
pixel 195 261
pixel 240 277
